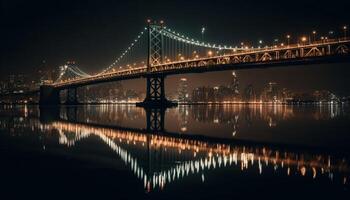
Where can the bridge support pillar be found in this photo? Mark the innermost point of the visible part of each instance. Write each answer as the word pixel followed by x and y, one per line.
pixel 72 97
pixel 155 94
pixel 49 95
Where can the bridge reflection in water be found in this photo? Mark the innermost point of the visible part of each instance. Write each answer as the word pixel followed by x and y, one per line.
pixel 158 159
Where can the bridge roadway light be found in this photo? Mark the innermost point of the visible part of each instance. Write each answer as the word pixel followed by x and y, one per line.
pixel 179 56
pixel 288 39
pixel 330 33
pixel 210 53
pixel 314 35
pixel 303 39
pixel 345 28
pixel 275 42
pixel 202 32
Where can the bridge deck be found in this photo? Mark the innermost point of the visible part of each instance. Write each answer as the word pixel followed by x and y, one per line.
pixel 320 52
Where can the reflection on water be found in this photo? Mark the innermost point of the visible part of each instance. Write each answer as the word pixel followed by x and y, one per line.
pixel 159 159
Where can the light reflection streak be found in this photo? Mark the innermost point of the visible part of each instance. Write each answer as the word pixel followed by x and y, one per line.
pixel 204 155
pixel 193 157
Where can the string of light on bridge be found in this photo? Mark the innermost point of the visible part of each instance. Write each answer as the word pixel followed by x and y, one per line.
pixel 73 69
pixel 128 49
pixel 173 35
pixel 182 38
pixel 182 48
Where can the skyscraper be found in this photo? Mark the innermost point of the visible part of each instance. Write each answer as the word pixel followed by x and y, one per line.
pixel 16 83
pixel 234 88
pixel 234 83
pixel 183 90
pixel 270 92
pixel 249 93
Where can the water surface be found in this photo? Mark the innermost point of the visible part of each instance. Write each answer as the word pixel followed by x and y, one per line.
pixel 189 152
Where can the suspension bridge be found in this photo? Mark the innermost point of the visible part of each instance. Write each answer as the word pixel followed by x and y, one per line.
pixel 158 52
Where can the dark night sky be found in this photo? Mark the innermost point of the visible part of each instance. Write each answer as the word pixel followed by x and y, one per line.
pixel 93 33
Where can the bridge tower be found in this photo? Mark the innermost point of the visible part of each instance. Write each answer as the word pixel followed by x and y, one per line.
pixel 155 91
pixel 49 95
